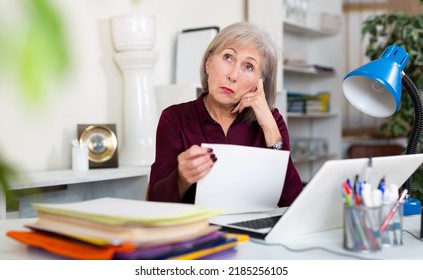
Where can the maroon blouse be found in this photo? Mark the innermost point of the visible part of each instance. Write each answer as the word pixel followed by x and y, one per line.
pixel 183 125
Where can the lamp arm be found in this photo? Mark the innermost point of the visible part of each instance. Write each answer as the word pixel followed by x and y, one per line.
pixel 418 121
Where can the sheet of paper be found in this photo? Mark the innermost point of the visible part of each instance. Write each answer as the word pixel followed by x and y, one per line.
pixel 243 179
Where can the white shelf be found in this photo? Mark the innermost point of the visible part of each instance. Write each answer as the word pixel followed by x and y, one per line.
pixel 306 71
pixel 105 181
pixel 65 177
pixel 311 115
pixel 299 28
pixel 313 158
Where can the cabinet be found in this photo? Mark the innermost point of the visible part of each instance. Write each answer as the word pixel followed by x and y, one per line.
pixel 59 186
pixel 319 47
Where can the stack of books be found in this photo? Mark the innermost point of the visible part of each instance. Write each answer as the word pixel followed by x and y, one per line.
pixel 113 228
pixel 307 103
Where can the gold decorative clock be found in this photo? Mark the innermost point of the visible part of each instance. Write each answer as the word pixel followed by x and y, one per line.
pixel 102 144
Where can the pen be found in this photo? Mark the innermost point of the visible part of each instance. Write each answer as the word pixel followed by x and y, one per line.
pixel 392 212
pixel 361 228
pixel 381 182
pixel 381 187
pixel 355 191
pixel 360 232
pixel 355 183
pixel 368 170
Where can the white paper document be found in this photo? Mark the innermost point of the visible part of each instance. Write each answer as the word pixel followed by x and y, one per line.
pixel 243 179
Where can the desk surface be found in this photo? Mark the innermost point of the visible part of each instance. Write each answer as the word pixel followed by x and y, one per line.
pixel 323 245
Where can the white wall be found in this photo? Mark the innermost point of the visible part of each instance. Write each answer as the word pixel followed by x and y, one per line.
pixel 38 138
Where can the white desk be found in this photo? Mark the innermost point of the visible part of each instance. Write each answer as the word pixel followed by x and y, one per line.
pixel 331 240
pixel 68 185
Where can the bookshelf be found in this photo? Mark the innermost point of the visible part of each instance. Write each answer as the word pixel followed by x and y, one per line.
pixel 306 71
pixel 295 27
pixel 321 46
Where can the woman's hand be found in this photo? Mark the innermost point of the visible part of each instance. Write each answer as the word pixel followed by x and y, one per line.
pixel 193 164
pixel 256 100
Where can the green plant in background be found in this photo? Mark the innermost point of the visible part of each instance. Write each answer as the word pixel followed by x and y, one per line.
pixel 34 53
pixel 397 28
pixel 35 49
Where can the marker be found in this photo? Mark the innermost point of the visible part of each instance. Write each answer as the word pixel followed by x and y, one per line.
pixel 393 211
pixel 382 187
pixel 360 187
pixel 376 196
pixel 366 195
pixel 355 191
pixel 347 193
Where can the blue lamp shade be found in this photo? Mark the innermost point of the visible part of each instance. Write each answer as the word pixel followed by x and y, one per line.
pixel 375 88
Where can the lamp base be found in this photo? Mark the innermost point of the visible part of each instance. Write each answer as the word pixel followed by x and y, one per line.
pixel 412 206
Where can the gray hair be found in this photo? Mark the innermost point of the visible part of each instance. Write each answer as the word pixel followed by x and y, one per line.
pixel 247 34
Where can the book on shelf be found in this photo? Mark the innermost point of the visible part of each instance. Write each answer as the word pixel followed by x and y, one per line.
pixel 322 68
pixel 308 103
pixel 113 228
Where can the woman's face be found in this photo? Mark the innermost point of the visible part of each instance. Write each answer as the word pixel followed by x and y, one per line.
pixel 232 73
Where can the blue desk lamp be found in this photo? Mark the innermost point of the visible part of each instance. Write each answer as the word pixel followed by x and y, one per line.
pixel 375 89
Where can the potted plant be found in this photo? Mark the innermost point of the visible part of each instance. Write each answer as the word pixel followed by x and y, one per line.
pixel 406 31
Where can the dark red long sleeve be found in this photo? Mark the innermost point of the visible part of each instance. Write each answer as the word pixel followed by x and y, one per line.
pixel 183 125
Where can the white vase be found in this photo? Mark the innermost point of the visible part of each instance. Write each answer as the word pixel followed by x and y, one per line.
pixel 133 39
pixel 133 32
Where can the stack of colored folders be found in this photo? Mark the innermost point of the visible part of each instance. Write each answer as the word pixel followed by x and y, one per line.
pixel 113 228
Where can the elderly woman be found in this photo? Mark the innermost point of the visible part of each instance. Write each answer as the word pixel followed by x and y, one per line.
pixel 238 76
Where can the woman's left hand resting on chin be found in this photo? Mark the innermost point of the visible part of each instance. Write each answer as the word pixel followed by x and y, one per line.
pixel 256 100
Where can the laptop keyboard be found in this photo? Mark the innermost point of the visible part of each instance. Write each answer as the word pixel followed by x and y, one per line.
pixel 267 222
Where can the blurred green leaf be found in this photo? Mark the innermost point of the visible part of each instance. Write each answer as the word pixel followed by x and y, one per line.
pixel 6 174
pixel 35 53
pixel 37 57
pixel 44 52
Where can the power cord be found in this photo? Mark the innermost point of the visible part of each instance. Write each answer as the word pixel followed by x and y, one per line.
pixel 413 235
pixel 261 242
pixel 311 249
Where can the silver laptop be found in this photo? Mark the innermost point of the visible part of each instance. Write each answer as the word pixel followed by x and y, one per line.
pixel 319 206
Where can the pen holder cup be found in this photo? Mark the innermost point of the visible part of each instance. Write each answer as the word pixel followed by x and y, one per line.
pixel 392 234
pixel 361 228
pixel 80 161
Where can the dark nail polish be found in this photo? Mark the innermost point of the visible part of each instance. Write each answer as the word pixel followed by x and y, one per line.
pixel 209 150
pixel 212 155
pixel 214 159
